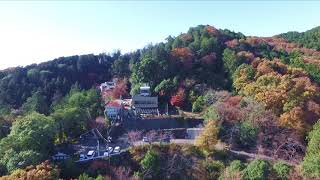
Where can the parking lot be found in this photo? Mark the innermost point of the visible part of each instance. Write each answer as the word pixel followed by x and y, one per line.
pixel 92 146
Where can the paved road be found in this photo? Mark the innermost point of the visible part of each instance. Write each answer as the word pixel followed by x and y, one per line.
pixel 253 156
pixel 92 140
pixel 176 141
pixel 90 143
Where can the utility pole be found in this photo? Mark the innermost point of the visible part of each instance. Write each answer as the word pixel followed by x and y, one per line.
pixel 108 131
pixel 167 109
pixel 98 147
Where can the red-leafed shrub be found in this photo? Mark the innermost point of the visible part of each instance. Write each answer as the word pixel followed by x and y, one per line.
pixel 121 89
pixel 178 99
pixel 209 59
pixel 183 55
pixel 212 30
pixel 232 44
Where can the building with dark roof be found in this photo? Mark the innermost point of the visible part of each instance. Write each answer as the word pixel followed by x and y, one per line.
pixel 145 104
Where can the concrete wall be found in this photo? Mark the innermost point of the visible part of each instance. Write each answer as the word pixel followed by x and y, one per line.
pixel 163 123
pixel 193 133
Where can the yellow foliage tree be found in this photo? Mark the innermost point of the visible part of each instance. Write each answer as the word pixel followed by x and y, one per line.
pixel 287 91
pixel 44 171
pixel 209 137
pixel 293 119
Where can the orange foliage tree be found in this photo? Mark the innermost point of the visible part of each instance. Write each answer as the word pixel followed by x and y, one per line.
pixel 294 118
pixel 179 98
pixel 121 89
pixel 212 30
pixel 44 170
pixel 287 91
pixel 209 59
pixel 184 56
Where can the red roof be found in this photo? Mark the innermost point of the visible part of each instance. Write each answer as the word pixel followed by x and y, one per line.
pixel 114 104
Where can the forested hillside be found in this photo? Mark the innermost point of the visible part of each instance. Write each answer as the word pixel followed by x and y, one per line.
pixel 309 39
pixel 259 95
pixel 53 79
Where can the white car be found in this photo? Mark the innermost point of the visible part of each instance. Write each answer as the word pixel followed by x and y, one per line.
pixel 116 149
pixel 110 149
pixel 145 139
pixel 91 153
pixel 106 154
pixel 109 139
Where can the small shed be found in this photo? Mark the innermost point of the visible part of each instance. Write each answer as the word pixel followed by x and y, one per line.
pixel 60 156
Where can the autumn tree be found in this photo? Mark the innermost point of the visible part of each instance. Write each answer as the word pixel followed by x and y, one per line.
pixel 230 110
pixel 179 98
pixel 209 59
pixel 287 91
pixel 44 170
pixel 120 173
pixel 293 119
pixel 184 56
pixel 209 137
pixel 121 89
pixel 177 166
pixel 134 136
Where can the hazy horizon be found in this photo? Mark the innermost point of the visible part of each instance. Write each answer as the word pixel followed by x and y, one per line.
pixel 34 32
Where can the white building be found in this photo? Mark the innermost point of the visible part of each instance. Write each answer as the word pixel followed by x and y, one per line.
pixel 145 90
pixel 107 86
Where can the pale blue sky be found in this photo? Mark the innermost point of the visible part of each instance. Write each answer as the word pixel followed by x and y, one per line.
pixel 33 32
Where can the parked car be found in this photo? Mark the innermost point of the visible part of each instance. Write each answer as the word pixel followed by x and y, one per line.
pixel 116 149
pixel 110 139
pixel 110 149
pixel 106 154
pixel 145 139
pixel 91 153
pixel 82 156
